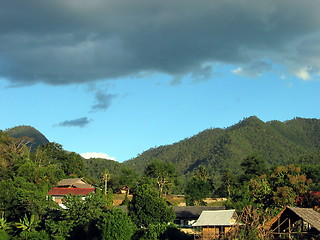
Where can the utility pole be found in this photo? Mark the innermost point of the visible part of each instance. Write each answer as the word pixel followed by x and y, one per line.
pixel 105 183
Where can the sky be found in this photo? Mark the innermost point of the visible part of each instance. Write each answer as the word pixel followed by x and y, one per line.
pixel 118 77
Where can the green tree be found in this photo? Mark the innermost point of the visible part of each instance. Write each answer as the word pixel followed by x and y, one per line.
pixel 147 207
pixel 240 196
pixel 197 190
pixel 279 189
pixel 115 224
pixel 71 163
pixel 5 228
pixel 129 177
pixel 19 197
pixel 4 235
pixel 33 235
pixel 83 213
pixel 79 220
pixel 252 166
pixel 163 173
pixel 4 224
pixel 312 172
pixel 28 224
pixel 228 179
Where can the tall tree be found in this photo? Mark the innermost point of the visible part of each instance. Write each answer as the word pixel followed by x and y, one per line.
pixel 199 187
pixel 197 190
pixel 147 207
pixel 115 224
pixel 279 189
pixel 163 173
pixel 252 166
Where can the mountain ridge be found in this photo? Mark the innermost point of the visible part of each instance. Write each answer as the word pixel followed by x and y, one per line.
pixel 218 149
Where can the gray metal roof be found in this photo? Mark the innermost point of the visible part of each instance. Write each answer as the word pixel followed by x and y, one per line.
pixel 193 212
pixel 217 218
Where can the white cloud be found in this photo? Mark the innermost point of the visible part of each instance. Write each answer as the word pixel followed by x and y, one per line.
pixel 303 73
pixel 238 70
pixel 89 155
pixel 253 69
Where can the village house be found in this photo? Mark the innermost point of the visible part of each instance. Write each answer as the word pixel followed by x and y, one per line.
pixel 294 222
pixel 215 224
pixel 72 186
pixel 188 215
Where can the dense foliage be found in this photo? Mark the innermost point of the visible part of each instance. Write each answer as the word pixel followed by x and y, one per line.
pixel 28 213
pixel 295 141
pixel 148 208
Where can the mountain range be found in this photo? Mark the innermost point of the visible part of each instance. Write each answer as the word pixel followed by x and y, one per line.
pixel 217 149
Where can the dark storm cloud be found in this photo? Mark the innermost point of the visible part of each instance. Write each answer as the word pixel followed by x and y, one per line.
pixel 61 42
pixel 80 122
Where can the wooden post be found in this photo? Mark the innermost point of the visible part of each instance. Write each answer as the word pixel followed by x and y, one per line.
pixel 289 228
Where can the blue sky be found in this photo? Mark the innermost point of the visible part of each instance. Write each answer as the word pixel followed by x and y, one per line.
pixel 120 77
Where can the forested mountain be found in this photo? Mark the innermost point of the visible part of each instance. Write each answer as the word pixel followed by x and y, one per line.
pixel 276 142
pixel 35 137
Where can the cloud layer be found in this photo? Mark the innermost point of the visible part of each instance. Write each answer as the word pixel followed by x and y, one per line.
pixel 76 41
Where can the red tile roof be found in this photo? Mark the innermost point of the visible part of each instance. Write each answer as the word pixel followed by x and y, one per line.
pixel 72 191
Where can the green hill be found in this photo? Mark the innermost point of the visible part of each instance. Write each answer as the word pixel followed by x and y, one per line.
pixel 220 149
pixel 35 137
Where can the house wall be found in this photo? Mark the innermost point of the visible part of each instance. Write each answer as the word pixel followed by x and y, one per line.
pixel 57 199
pixel 209 233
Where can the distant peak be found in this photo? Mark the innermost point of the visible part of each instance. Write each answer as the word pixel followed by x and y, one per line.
pixel 249 121
pixel 30 132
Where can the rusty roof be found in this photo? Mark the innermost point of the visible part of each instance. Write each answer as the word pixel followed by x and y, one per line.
pixel 73 191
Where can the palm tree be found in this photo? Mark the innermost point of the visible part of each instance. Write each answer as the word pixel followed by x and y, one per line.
pixel 27 224
pixel 4 225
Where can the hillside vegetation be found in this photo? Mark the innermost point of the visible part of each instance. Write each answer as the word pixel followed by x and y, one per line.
pixel 277 143
pixel 35 138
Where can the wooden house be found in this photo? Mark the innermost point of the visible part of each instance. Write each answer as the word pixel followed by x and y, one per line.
pixel 188 215
pixel 297 223
pixel 215 224
pixel 72 186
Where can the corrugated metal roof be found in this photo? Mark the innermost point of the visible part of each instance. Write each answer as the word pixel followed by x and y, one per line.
pixel 308 215
pixel 72 191
pixel 193 212
pixel 216 218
